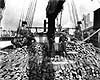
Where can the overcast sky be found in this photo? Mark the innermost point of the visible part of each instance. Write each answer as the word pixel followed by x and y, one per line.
pixel 14 8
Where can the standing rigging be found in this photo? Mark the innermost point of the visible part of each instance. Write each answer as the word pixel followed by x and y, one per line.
pixel 24 35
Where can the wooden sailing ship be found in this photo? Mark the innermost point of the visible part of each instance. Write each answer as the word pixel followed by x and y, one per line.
pixel 34 61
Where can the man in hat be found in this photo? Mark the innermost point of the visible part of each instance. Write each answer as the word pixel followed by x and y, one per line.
pixel 24 36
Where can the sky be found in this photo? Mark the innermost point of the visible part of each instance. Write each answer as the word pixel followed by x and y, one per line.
pixel 14 9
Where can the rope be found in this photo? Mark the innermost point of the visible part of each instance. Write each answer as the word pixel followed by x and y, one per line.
pixel 60 18
pixel 29 13
pixel 33 14
pixel 74 12
pixel 20 19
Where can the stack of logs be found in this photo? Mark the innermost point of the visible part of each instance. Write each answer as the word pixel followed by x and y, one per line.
pixel 78 62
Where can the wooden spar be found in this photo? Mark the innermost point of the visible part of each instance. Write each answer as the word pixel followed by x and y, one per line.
pixel 91 35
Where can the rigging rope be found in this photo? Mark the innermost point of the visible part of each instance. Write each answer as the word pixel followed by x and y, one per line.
pixel 21 18
pixel 74 13
pixel 60 18
pixel 31 12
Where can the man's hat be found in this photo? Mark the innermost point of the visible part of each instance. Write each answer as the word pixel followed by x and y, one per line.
pixel 79 22
pixel 24 23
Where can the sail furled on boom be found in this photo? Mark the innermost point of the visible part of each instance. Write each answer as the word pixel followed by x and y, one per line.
pixel 30 13
pixel 54 7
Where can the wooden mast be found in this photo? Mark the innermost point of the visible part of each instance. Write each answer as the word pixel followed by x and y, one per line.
pixel 52 10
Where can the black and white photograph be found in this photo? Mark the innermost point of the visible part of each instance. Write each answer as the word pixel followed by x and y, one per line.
pixel 49 39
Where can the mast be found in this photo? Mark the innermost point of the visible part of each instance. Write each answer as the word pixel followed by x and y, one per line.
pixel 52 10
pixel 2 4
